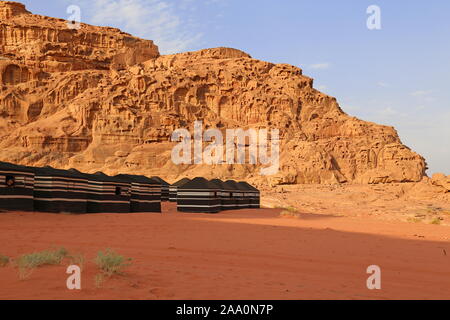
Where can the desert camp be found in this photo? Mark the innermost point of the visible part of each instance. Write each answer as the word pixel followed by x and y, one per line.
pixel 224 150
pixel 16 187
pixel 47 189
pixel 227 201
pixel 253 194
pixel 164 188
pixel 108 194
pixel 59 190
pixel 145 193
pixel 198 195
pixel 174 188
pixel 238 194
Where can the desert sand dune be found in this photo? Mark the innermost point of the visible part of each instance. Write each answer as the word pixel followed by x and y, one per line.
pixel 246 254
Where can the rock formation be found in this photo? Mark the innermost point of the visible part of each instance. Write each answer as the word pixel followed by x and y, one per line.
pixel 100 99
pixel 442 181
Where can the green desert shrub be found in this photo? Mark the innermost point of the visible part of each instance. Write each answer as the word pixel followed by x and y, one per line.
pixel 290 214
pixel 99 279
pixel 46 257
pixel 28 262
pixel 288 208
pixel 289 211
pixel 436 221
pixel 414 220
pixel 4 260
pixel 110 262
pixel 77 259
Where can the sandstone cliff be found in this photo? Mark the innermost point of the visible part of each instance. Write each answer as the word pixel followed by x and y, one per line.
pixel 99 99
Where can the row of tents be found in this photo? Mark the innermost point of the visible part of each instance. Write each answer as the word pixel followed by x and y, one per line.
pixel 48 189
pixel 201 195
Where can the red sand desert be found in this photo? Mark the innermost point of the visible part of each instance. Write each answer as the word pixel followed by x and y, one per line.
pixel 98 99
pixel 245 254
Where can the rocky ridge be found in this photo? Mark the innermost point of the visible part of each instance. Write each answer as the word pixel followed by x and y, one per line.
pixel 100 99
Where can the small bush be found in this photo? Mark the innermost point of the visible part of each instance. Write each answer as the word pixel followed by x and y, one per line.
pixel 77 259
pixel 288 208
pixel 436 221
pixel 110 262
pixel 99 279
pixel 46 257
pixel 4 260
pixel 30 261
pixel 415 220
pixel 290 214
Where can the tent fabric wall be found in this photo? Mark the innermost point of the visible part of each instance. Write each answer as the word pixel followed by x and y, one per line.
pixel 255 195
pixel 59 191
pixel 239 194
pixel 198 195
pixel 54 190
pixel 174 187
pixel 108 194
pixel 16 187
pixel 248 192
pixel 233 193
pixel 164 188
pixel 145 193
pixel 227 201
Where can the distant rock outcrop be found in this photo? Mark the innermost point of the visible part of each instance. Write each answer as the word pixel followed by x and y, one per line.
pixel 100 99
pixel 440 180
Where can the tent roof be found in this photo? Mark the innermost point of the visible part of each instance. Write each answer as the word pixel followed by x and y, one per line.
pixel 223 185
pixel 98 176
pixel 181 182
pixel 104 177
pixel 85 175
pixel 217 182
pixel 10 166
pixel 136 178
pixel 247 185
pixel 236 186
pixel 47 170
pixel 75 170
pixel 161 181
pixel 199 183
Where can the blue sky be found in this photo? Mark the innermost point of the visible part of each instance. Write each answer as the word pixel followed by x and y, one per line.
pixel 399 75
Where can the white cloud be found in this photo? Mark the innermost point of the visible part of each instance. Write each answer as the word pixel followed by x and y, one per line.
pixel 215 2
pixel 155 20
pixel 388 112
pixel 421 93
pixel 350 108
pixel 422 127
pixel 320 66
pixel 382 84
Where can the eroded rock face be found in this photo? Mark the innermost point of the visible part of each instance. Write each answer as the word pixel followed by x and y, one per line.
pixel 99 99
pixel 442 181
pixel 49 45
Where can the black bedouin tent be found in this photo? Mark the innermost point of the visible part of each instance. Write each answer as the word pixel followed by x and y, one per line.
pixel 145 193
pixel 254 194
pixel 239 194
pixel 198 195
pixel 108 194
pixel 57 190
pixel 227 201
pixel 16 187
pixel 174 187
pixel 164 188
